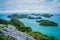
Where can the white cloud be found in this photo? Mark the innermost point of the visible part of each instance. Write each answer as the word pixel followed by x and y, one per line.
pixel 52 6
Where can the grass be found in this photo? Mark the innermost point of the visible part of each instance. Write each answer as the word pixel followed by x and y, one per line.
pixel 0 27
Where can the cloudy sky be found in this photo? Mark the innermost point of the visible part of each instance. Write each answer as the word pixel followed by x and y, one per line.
pixel 49 6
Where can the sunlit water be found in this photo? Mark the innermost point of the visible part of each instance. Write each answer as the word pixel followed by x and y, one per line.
pixel 49 30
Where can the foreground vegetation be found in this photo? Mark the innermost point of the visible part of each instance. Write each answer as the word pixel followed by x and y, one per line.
pixel 21 27
pixel 4 22
pixel 47 23
pixel 2 37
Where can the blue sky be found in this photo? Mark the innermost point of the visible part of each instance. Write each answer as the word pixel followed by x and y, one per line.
pixel 46 6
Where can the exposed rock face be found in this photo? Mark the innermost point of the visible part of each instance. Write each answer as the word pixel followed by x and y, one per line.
pixel 15 34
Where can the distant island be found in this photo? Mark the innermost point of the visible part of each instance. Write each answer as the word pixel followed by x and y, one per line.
pixel 36 14
pixel 47 23
pixel 44 15
pixel 47 15
pixel 34 17
pixel 23 16
pixel 18 16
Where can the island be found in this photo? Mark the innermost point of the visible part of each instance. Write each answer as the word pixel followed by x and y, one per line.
pixel 34 17
pixel 46 23
pixel 47 15
pixel 18 15
pixel 38 14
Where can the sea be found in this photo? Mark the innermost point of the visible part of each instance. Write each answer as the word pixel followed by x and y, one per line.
pixel 48 30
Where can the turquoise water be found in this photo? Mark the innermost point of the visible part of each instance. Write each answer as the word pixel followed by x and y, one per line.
pixel 55 31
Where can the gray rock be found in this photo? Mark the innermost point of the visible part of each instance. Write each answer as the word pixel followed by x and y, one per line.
pixel 15 34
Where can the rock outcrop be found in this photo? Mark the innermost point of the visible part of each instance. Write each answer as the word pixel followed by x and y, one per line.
pixel 14 33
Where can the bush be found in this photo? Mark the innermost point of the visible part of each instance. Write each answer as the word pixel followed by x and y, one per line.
pixel 4 22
